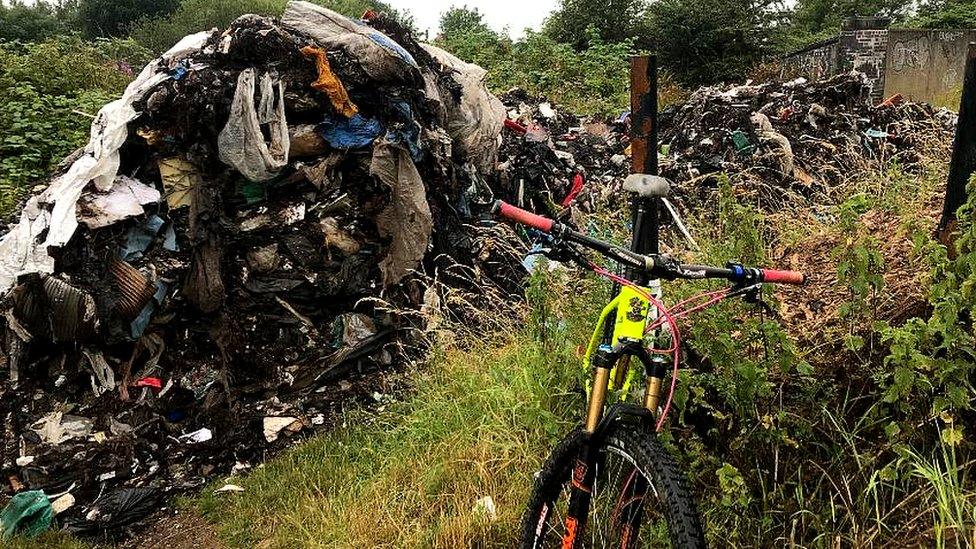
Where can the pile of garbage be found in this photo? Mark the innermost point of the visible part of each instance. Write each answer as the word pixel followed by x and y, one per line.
pixel 795 141
pixel 552 159
pixel 265 214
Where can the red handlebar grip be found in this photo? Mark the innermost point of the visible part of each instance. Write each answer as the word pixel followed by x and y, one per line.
pixel 524 217
pixel 783 277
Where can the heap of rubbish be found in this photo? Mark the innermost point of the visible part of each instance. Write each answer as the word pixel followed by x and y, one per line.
pixel 265 214
pixel 795 142
pixel 270 213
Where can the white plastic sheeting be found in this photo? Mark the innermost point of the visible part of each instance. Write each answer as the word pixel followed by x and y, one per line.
pixel 383 59
pixel 55 210
pixel 124 200
pixel 242 144
pixel 476 121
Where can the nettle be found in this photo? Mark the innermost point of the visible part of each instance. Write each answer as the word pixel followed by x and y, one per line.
pixel 860 271
pixel 934 359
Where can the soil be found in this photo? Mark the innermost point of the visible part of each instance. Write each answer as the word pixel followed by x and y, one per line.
pixel 183 529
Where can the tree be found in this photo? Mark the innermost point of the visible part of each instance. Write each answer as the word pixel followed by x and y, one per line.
pixel 614 20
pixel 824 17
pixel 945 14
pixel 464 33
pixel 708 41
pixel 458 22
pixel 35 22
pixel 115 17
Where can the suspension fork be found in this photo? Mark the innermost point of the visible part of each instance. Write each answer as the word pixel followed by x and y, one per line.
pixel 597 425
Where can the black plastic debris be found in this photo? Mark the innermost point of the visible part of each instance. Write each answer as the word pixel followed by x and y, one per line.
pixel 268 216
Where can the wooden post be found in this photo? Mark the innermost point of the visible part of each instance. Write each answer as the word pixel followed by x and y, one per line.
pixel 643 145
pixel 963 152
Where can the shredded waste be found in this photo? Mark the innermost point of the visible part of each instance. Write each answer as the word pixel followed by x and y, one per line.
pixel 266 213
pixel 793 143
pixel 275 210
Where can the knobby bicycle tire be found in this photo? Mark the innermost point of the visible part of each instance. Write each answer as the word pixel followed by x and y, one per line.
pixel 670 494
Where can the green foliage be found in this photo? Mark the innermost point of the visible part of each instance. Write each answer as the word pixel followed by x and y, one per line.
pixel 945 14
pixel 732 487
pixel 114 17
pixel 817 17
pixel 615 21
pixel 159 33
pixel 48 93
pixel 708 41
pixel 35 21
pixel 741 345
pixel 933 361
pixel 457 23
pixel 860 269
pixel 593 80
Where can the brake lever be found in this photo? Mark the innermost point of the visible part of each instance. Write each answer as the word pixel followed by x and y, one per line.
pixel 559 251
pixel 752 294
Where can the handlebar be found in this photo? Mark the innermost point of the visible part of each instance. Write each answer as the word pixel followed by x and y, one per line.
pixel 657 266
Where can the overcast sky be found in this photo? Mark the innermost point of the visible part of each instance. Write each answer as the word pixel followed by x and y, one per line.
pixel 514 14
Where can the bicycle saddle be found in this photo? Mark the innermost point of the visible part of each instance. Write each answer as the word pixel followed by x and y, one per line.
pixel 647 186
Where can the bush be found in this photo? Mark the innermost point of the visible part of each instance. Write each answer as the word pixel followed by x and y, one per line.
pixel 23 22
pixel 48 93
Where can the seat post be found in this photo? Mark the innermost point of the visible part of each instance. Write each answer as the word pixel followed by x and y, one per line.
pixel 643 140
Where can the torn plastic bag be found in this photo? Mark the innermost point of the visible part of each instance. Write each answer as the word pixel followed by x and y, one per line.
pixel 28 514
pixel 329 84
pixel 57 427
pixel 103 377
pixel 124 200
pixel 20 251
pixel 406 131
pixel 475 121
pixel 116 510
pixel 350 133
pixel 242 142
pixel 382 59
pixel 407 220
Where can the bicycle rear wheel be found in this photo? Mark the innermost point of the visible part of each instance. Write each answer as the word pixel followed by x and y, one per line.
pixel 639 498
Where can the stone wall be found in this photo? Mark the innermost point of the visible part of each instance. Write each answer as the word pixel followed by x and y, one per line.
pixel 922 65
pixel 863 46
pixel 927 65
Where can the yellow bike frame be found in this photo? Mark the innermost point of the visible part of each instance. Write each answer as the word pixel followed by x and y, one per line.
pixel 631 311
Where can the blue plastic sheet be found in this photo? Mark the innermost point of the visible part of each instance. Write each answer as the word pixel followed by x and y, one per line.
pixel 138 238
pixel 355 132
pixel 385 41
pixel 406 132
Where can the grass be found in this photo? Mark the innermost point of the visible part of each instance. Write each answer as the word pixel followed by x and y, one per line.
pixel 50 540
pixel 480 423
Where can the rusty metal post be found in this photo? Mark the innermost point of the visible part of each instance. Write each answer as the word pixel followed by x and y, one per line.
pixel 643 143
pixel 963 161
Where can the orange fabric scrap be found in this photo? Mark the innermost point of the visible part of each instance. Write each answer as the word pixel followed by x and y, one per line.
pixel 329 83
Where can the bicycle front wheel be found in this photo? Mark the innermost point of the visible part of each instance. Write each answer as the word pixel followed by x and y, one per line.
pixel 639 498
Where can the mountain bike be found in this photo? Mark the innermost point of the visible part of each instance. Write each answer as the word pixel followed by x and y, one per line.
pixel 610 482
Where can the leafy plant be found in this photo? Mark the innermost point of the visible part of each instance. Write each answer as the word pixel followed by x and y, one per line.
pixel 932 360
pixel 49 93
pixel 860 269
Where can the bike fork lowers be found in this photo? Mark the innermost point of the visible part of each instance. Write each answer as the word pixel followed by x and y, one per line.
pixel 587 463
